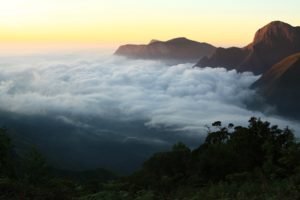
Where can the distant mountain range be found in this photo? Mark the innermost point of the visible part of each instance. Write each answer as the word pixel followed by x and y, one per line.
pixel 274 53
pixel 271 44
pixel 178 50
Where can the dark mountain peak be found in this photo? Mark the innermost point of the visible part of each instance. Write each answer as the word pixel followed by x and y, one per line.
pixel 276 31
pixel 154 41
pixel 179 39
pixel 271 43
pixel 277 24
pixel 174 51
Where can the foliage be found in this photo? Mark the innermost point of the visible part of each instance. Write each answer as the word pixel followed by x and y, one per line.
pixel 30 177
pixel 256 162
pixel 6 155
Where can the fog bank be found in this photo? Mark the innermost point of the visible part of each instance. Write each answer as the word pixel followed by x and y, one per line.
pixel 113 103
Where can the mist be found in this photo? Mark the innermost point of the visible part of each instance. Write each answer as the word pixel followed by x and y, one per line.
pixel 87 110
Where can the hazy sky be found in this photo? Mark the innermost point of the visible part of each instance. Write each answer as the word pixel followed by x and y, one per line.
pixel 220 22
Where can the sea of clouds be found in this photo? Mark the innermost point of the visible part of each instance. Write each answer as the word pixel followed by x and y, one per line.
pixel 83 91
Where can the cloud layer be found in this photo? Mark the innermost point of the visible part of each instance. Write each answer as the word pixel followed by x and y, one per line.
pixel 116 88
pixel 81 91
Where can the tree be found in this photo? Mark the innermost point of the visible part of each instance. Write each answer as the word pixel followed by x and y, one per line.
pixel 35 168
pixel 6 157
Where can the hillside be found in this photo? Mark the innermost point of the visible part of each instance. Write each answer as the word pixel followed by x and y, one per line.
pixel 178 50
pixel 271 44
pixel 280 85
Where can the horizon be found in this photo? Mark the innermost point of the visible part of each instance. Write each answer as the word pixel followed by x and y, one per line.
pixel 94 24
pixel 10 48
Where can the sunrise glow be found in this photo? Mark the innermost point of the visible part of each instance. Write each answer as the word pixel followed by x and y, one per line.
pixel 222 23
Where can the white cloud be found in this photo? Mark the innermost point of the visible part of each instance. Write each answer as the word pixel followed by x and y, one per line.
pixel 179 97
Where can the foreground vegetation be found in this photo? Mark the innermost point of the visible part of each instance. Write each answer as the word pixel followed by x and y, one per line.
pixel 28 176
pixel 255 162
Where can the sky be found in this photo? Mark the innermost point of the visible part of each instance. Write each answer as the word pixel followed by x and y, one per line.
pixel 101 22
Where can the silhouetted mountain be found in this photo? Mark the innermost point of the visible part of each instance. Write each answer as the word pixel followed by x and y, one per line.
pixel 281 84
pixel 178 50
pixel 271 44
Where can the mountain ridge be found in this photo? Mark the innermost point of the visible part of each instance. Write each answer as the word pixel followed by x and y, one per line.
pixel 271 43
pixel 177 50
pixel 280 86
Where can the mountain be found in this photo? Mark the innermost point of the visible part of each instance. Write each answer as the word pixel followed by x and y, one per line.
pixel 281 84
pixel 178 50
pixel 271 44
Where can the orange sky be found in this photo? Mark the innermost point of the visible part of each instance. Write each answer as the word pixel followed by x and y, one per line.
pixel 76 23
